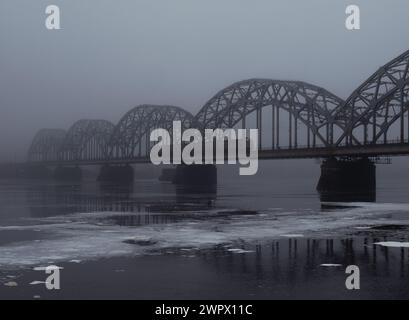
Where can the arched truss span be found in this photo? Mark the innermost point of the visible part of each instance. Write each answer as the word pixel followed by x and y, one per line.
pixel 46 145
pixel 87 140
pixel 132 133
pixel 378 103
pixel 377 109
pixel 312 106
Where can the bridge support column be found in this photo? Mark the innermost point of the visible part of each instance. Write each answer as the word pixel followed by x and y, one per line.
pixel 68 173
pixel 118 174
pixel 196 174
pixel 347 180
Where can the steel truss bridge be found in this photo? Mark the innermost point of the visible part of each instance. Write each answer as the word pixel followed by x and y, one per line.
pixel 295 120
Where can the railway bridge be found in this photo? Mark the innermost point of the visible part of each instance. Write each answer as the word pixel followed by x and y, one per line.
pixel 294 119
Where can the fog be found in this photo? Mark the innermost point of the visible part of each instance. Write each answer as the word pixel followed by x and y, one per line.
pixel 113 55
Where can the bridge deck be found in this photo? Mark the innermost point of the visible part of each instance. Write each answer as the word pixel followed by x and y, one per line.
pixel 371 150
pixel 374 150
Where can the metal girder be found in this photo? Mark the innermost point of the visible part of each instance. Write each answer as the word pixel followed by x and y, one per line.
pixel 87 140
pixel 131 135
pixel 366 117
pixel 313 106
pixel 378 103
pixel 46 145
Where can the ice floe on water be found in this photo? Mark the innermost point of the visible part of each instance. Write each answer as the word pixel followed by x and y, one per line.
pixel 363 228
pixel 369 206
pixel 393 244
pixel 82 236
pixel 330 265
pixel 11 284
pixel 238 250
pixel 294 235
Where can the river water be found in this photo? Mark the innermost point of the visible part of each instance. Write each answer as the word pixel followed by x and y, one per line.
pixel 263 237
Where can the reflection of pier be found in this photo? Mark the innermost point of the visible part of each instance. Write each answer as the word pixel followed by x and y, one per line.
pixel 60 199
pixel 291 267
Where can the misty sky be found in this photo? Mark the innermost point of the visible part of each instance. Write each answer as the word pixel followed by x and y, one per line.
pixel 113 55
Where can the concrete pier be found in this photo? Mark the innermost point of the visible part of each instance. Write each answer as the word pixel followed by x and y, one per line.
pixel 347 180
pixel 196 174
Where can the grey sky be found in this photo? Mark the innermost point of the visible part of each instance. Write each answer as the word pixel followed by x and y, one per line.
pixel 113 55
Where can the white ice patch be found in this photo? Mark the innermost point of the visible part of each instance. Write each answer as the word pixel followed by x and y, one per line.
pixel 78 237
pixel 234 250
pixel 369 206
pixel 295 235
pixel 11 284
pixel 44 268
pixel 393 244
pixel 75 261
pixel 363 228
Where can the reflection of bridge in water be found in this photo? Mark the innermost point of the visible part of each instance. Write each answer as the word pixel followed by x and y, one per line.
pixel 295 120
pixel 51 199
pixel 315 267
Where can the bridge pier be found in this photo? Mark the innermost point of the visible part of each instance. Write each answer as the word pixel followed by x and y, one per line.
pixel 347 180
pixel 196 175
pixel 117 174
pixel 68 173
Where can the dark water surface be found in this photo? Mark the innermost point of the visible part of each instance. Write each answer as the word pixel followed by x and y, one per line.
pixel 264 237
